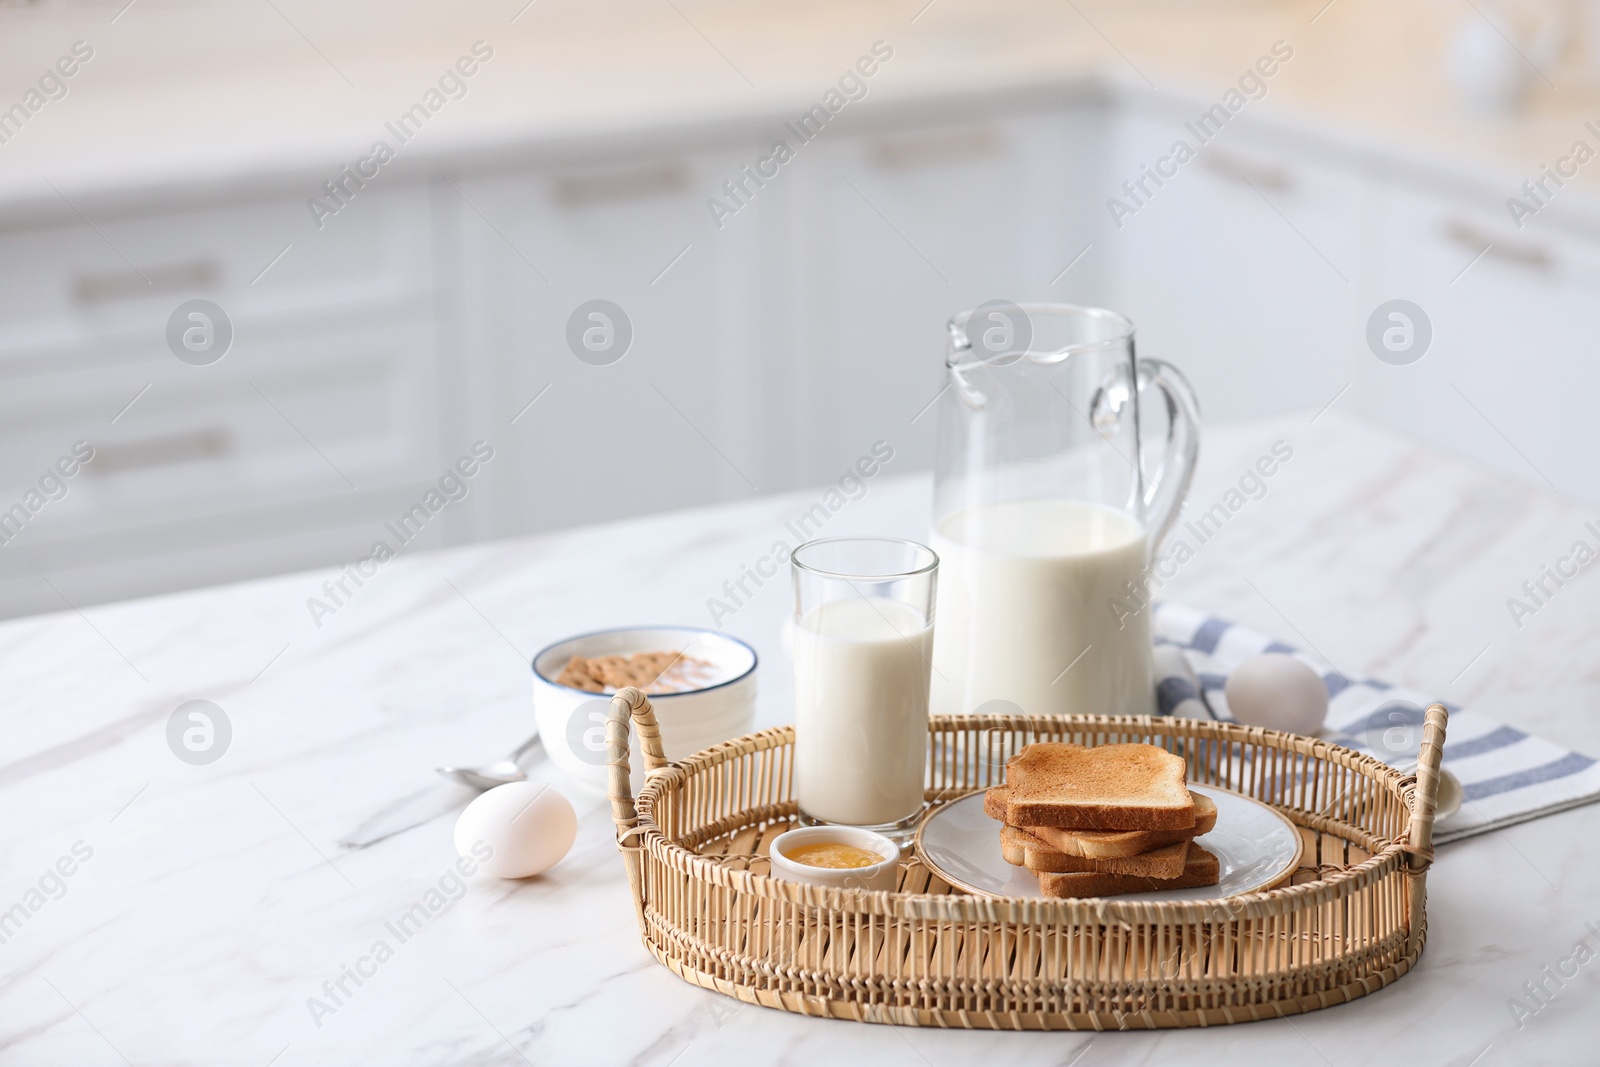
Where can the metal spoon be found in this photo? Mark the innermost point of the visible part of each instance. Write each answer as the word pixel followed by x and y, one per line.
pixel 501 773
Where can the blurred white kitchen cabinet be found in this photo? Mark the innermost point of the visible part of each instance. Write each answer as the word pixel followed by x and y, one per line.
pixel 771 351
pixel 1511 370
pixel 896 228
pixel 682 414
pixel 322 420
pixel 1250 267
pixel 760 352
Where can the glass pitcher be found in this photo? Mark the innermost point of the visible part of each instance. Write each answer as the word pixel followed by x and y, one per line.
pixel 1062 461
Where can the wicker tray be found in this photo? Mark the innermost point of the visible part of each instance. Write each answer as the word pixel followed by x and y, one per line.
pixel 1350 921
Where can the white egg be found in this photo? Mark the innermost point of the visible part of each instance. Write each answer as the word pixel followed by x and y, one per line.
pixel 525 827
pixel 1276 691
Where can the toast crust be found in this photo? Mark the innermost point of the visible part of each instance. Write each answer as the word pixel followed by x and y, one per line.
pixel 1200 869
pixel 1108 787
pixel 997 802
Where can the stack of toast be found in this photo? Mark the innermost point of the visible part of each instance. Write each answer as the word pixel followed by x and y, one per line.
pixel 1095 822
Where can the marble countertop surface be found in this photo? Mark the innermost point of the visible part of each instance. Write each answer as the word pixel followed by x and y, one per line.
pixel 182 94
pixel 206 905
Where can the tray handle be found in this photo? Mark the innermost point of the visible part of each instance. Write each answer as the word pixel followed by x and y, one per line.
pixel 1419 846
pixel 631 704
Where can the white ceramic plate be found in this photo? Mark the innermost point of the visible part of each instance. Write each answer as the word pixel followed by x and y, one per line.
pixel 1256 848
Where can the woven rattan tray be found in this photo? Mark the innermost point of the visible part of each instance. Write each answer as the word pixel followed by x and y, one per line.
pixel 1350 921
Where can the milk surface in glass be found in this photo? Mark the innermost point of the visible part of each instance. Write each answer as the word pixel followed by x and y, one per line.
pixel 1025 587
pixel 861 710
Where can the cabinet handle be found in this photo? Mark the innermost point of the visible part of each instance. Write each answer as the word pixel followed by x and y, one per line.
pixel 159 451
pixel 1518 253
pixel 619 186
pixel 101 288
pixel 936 149
pixel 1243 171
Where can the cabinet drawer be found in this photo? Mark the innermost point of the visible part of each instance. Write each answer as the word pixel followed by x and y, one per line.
pixel 324 417
pixel 70 283
pixel 1508 376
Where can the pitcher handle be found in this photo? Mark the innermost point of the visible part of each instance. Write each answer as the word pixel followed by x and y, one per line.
pixel 1166 486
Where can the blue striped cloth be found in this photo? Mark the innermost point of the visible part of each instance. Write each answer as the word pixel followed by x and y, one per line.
pixel 1507 776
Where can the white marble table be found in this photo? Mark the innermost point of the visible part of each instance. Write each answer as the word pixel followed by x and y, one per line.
pixel 216 900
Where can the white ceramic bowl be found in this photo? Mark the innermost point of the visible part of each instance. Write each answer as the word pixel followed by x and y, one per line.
pixel 573 721
pixel 882 875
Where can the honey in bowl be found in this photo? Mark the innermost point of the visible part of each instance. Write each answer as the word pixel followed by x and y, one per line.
pixel 833 855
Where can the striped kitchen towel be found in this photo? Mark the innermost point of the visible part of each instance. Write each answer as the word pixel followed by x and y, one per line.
pixel 1507 776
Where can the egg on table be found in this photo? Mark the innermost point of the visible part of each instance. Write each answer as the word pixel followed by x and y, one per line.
pixel 527 828
pixel 1278 692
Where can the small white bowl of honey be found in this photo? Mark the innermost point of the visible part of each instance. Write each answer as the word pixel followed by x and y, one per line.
pixel 839 857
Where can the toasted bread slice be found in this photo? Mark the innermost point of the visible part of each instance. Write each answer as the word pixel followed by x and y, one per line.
pixel 1109 787
pixel 1111 844
pixel 1106 844
pixel 997 802
pixel 1160 863
pixel 1200 868
pixel 1014 846
pixel 1022 849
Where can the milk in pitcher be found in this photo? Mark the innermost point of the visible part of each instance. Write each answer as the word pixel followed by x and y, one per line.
pixel 1025 609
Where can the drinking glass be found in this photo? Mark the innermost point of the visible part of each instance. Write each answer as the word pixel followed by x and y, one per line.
pixel 863 647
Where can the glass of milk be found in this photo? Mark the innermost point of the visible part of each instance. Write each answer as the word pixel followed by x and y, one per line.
pixel 863 651
pixel 1063 460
